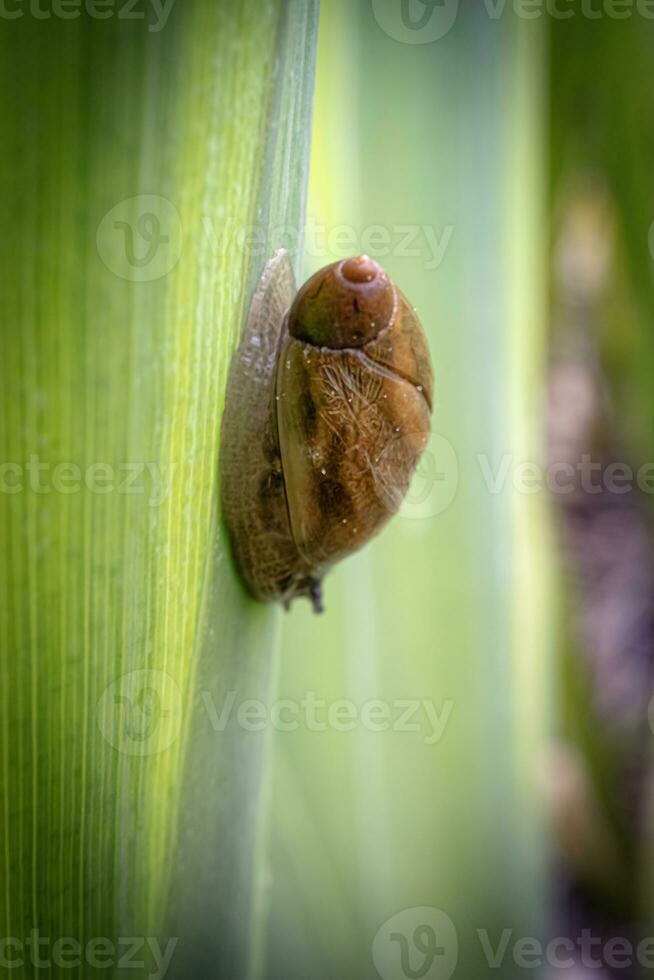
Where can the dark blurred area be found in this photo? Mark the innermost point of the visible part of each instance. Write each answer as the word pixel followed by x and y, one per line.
pixel 599 445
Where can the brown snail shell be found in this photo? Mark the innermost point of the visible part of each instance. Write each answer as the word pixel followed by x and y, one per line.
pixel 327 411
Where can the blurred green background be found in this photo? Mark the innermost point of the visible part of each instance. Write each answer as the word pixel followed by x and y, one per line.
pixel 432 157
pixel 457 756
pixel 521 141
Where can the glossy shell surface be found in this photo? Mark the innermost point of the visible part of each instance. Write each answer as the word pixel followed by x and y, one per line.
pixel 327 411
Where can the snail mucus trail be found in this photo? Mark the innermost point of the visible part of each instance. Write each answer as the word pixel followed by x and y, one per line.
pixel 327 411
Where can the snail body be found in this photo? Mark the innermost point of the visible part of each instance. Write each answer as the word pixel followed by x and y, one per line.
pixel 327 411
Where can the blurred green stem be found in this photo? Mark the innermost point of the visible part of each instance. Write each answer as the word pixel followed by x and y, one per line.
pixel 134 161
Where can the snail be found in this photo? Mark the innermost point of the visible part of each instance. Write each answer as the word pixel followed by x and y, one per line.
pixel 327 411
